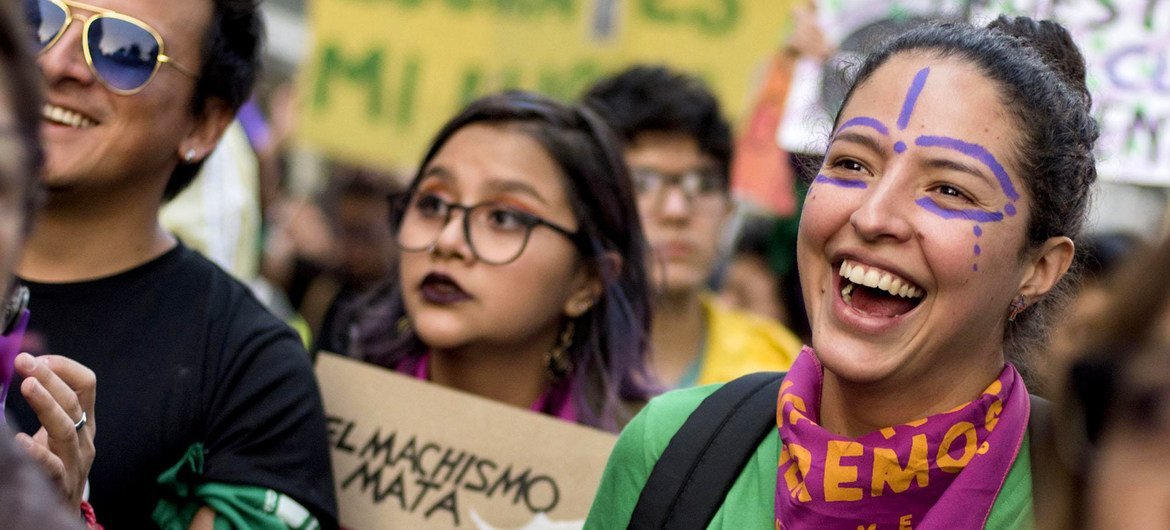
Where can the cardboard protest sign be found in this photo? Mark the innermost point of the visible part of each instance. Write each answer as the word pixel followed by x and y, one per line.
pixel 384 75
pixel 410 454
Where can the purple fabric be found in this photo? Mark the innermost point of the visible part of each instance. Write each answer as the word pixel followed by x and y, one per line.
pixel 556 401
pixel 9 349
pixel 940 472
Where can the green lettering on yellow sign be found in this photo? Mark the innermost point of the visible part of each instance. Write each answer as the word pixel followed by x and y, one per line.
pixel 717 17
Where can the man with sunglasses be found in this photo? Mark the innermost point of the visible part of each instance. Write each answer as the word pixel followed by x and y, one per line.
pixel 678 147
pixel 205 398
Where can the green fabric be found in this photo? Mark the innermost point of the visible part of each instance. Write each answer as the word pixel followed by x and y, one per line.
pixel 751 501
pixel 236 506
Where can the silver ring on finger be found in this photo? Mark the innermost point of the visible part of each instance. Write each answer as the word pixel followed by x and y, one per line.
pixel 80 423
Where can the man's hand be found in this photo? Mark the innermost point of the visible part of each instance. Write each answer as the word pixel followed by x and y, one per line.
pixel 60 391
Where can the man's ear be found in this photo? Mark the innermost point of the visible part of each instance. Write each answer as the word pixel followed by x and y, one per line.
pixel 589 284
pixel 206 130
pixel 1048 265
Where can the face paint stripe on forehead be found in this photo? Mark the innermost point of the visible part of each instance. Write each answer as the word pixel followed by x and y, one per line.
pixel 977 152
pixel 864 121
pixel 912 97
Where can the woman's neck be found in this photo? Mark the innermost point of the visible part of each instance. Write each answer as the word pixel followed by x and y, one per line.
pixel 854 409
pixel 676 335
pixel 516 376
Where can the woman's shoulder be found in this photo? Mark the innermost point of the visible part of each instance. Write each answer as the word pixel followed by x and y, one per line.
pixel 666 413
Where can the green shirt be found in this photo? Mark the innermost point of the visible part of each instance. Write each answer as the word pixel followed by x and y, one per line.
pixel 751 501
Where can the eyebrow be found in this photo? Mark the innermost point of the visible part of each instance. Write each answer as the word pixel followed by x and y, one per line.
pixel 977 152
pixel 861 139
pixel 498 185
pixel 955 165
pixel 494 185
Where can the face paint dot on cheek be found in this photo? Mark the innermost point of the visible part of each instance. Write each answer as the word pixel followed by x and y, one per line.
pixel 1010 209
pixel 975 267
pixel 978 231
pixel 900 147
pixel 978 250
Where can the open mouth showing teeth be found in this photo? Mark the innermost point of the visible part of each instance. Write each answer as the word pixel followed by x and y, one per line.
pixel 66 117
pixel 875 292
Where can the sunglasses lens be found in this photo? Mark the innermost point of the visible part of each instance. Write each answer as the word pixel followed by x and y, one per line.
pixel 123 53
pixel 45 19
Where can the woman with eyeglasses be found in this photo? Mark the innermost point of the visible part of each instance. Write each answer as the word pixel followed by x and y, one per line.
pixel 521 276
pixel 932 247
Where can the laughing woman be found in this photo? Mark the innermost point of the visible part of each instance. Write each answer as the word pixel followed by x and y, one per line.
pixel 932 243
pixel 520 278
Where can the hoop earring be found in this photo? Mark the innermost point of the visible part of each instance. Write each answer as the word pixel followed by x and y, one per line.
pixel 1019 304
pixel 557 362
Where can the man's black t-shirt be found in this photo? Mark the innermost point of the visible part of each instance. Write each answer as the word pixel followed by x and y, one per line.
pixel 184 353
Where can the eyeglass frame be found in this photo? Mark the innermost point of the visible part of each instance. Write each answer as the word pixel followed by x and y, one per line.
pixel 677 180
pixel 407 201
pixel 99 12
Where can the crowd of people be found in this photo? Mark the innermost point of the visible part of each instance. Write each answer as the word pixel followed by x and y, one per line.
pixel 565 257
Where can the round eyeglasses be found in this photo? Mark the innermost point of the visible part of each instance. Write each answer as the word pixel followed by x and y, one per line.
pixel 496 234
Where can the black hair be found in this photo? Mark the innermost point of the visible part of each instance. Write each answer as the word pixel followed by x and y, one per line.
pixel 610 339
pixel 231 53
pixel 647 98
pixel 20 90
pixel 1040 74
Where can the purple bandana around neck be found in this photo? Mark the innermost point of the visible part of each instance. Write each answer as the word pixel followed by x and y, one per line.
pixel 940 472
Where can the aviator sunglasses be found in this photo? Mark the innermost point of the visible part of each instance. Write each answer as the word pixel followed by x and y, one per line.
pixel 123 52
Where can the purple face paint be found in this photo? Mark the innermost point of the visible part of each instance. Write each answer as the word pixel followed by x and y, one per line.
pixel 975 267
pixel 979 153
pixel 864 121
pixel 1010 209
pixel 978 231
pixel 900 147
pixel 912 97
pixel 840 182
pixel 978 250
pixel 979 216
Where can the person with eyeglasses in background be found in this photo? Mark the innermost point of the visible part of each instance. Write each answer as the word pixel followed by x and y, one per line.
pixel 678 148
pixel 520 275
pixel 205 399
pixel 59 390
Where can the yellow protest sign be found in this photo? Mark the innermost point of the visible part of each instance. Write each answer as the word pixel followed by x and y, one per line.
pixel 384 75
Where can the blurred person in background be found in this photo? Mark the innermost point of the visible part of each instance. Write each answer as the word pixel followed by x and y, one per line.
pixel 60 391
pixel 1101 255
pixel 1108 462
pixel 358 204
pixel 520 275
pixel 678 149
pixel 205 398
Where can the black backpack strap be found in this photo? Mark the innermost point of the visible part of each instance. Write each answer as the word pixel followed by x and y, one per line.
pixel 704 458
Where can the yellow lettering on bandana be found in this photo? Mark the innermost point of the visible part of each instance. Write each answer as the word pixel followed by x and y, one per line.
pixel 888 470
pixel 904 523
pixel 993 412
pixel 954 465
pixel 837 474
pixel 794 476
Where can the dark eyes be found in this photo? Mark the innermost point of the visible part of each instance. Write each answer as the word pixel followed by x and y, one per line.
pixel 952 191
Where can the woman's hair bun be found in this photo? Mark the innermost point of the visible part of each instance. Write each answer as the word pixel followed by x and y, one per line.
pixel 1055 46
